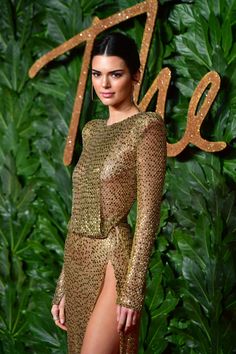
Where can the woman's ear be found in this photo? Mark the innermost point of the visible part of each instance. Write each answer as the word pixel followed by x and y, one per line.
pixel 136 76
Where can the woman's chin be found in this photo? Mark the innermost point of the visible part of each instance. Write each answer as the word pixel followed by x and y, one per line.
pixel 106 101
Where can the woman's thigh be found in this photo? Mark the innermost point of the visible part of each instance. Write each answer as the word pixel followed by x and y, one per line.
pixel 101 336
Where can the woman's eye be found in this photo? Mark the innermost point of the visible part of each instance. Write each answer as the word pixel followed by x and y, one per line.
pixel 95 74
pixel 116 75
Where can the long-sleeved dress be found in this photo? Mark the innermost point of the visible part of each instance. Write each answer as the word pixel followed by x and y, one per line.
pixel 119 163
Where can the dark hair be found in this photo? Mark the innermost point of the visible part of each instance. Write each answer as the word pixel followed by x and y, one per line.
pixel 121 45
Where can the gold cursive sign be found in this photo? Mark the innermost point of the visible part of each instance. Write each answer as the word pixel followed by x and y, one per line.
pixel 160 84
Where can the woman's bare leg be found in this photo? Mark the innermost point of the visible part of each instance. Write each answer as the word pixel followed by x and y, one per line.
pixel 101 336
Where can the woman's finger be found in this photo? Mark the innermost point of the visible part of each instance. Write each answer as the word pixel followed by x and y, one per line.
pixel 57 323
pixel 62 311
pixel 55 312
pixel 128 320
pixel 134 318
pixel 118 313
pixel 122 320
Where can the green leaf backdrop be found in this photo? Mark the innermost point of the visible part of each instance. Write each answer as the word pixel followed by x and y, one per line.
pixel 190 303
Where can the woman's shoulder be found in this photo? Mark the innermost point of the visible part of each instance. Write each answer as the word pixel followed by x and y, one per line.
pixel 150 116
pixel 91 123
pixel 150 119
pixel 89 127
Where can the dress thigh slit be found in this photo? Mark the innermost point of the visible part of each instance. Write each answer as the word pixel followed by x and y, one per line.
pixel 85 262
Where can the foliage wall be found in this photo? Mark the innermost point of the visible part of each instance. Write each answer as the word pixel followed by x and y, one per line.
pixel 190 303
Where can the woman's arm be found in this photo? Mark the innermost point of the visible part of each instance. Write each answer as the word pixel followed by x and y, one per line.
pixel 151 165
pixel 58 302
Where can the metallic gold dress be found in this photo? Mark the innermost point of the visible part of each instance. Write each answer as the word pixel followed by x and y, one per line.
pixel 119 163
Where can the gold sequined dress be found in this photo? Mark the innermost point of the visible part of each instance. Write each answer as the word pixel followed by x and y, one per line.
pixel 119 163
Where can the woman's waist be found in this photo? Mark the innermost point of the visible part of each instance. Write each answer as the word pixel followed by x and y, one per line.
pixel 98 231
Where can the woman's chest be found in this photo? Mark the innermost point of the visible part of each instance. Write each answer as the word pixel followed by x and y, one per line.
pixel 108 155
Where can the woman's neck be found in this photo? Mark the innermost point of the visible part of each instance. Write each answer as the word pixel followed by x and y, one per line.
pixel 118 114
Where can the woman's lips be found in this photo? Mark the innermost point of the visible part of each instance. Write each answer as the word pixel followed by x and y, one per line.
pixel 107 94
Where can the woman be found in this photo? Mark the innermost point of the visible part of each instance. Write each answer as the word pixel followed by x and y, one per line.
pixel 100 291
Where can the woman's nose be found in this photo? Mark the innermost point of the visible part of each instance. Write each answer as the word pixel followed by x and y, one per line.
pixel 105 82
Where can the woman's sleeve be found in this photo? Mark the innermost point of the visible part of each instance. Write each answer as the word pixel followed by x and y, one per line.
pixel 60 287
pixel 59 292
pixel 151 165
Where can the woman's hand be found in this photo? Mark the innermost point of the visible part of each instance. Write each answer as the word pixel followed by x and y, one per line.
pixel 58 314
pixel 127 318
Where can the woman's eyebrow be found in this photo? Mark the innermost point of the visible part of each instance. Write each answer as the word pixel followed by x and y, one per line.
pixel 110 72
pixel 115 71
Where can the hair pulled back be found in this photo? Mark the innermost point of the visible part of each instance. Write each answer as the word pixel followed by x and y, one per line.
pixel 121 45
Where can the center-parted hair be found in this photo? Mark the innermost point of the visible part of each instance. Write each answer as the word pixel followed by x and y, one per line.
pixel 121 45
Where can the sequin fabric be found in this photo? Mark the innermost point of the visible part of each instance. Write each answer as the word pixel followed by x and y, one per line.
pixel 119 163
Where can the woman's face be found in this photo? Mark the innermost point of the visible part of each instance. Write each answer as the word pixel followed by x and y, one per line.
pixel 112 80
